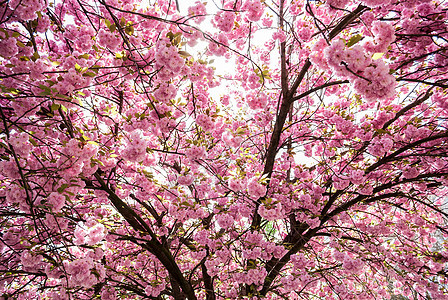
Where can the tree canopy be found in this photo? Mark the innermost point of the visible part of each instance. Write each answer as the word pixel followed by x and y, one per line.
pixel 278 149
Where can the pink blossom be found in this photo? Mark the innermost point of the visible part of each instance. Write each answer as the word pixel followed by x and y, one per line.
pixel 384 35
pixel 21 144
pixel 337 3
pixel 375 3
pixel 256 189
pixel 357 176
pixel 231 140
pixel 411 172
pixel 195 152
pixel 30 261
pixel 313 223
pixel 279 35
pixel 254 9
pixel 224 20
pixel 80 272
pixel 272 212
pixel 108 39
pixel 185 179
pixel 199 11
pixel 225 220
pixel 56 202
pixel 95 234
pixel 205 122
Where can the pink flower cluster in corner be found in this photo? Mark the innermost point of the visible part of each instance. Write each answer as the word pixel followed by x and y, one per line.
pixel 26 10
pixel 441 99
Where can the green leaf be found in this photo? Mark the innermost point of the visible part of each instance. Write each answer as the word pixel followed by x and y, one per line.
pixel 107 22
pixel 62 188
pixel 35 56
pixel 55 106
pixel 129 30
pixel 60 96
pixel 353 40
pixel 184 54
pixel 377 56
pixel 89 74
pixel 122 21
pixel 33 142
pixel 45 88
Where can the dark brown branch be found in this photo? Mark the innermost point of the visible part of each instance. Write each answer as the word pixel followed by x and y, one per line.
pixel 153 245
pixel 408 107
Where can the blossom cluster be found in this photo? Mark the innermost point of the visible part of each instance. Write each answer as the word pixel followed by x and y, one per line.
pixel 371 78
pixel 108 39
pixel 8 47
pixel 384 35
pixel 20 143
pixel 198 11
pixel 168 59
pixel 84 272
pixel 205 122
pixel 272 212
pixel 90 233
pixel 135 150
pixel 256 189
pixel 254 9
pixel 26 10
pixel 224 20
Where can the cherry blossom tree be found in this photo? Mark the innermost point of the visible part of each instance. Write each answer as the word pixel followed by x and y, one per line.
pixel 240 149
